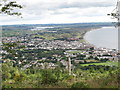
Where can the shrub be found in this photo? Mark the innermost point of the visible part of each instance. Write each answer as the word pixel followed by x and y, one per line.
pixel 80 85
pixel 48 77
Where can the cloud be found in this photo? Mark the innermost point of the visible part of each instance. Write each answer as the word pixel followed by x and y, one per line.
pixel 39 6
pixel 62 11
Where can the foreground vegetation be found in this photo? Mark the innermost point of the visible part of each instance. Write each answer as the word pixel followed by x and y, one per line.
pixel 14 77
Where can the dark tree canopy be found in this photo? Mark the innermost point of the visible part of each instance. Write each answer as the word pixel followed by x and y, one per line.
pixel 9 7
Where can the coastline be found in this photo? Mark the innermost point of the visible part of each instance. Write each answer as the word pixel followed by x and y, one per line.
pixel 87 42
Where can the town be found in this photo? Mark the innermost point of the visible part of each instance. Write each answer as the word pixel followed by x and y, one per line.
pixel 79 52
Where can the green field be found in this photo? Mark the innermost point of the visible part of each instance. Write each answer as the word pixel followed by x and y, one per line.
pixel 108 63
pixel 74 51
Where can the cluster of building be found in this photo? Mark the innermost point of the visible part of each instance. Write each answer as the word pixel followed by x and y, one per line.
pixel 40 43
pixel 89 51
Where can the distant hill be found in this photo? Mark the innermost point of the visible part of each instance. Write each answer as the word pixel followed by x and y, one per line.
pixel 75 25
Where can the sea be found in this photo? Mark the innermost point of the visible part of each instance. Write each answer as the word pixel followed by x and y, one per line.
pixel 105 37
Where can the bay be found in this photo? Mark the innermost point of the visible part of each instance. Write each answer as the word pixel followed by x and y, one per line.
pixel 106 37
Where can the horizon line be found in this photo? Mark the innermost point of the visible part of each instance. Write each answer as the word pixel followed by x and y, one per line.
pixel 52 23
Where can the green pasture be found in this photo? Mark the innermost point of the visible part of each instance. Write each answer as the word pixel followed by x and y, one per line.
pixel 108 63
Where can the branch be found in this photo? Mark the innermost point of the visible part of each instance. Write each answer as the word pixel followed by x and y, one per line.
pixel 9 8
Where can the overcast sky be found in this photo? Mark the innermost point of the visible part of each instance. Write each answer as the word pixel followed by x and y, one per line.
pixel 61 11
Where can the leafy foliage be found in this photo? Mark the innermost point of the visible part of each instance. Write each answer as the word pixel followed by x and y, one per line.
pixel 14 77
pixel 8 7
pixel 80 85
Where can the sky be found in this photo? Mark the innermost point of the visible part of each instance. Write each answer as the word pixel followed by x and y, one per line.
pixel 61 11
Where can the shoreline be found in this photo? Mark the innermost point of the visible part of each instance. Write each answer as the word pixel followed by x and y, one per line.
pixel 87 42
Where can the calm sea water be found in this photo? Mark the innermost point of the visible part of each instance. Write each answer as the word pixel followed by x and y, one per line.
pixel 105 37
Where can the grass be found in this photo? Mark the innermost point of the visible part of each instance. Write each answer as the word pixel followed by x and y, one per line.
pixel 108 63
pixel 46 36
pixel 74 51
pixel 82 40
pixel 92 60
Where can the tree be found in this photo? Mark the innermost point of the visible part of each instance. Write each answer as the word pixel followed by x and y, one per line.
pixel 8 7
pixel 48 77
